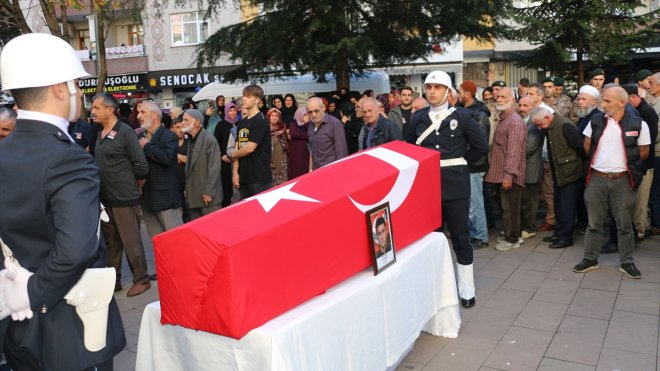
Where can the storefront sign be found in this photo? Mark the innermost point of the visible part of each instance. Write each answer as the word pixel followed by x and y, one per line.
pixel 185 78
pixel 129 82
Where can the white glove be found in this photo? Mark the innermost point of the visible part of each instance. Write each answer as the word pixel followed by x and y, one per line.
pixel 15 294
pixel 4 310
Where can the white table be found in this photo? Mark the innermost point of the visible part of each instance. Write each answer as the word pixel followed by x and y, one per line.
pixel 365 323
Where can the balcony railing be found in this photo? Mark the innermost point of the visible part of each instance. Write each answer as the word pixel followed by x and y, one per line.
pixel 113 53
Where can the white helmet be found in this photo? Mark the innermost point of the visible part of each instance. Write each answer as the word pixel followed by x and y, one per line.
pixel 38 59
pixel 438 77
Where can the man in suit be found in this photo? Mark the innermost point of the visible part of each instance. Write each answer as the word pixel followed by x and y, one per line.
pixel 456 135
pixel 161 199
pixel 49 215
pixel 203 187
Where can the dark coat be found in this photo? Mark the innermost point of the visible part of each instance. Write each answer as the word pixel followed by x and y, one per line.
pixel 161 190
pixel 384 132
pixel 50 218
pixel 465 140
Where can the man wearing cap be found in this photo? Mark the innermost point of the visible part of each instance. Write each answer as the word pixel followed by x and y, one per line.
pixel 494 113
pixel 643 78
pixel 49 216
pixel 523 84
pixel 454 133
pixel 597 78
pixel 478 226
pixel 563 108
pixel 203 186
pixel 533 170
pixel 617 142
pixel 563 100
pixel 640 216
pixel 587 106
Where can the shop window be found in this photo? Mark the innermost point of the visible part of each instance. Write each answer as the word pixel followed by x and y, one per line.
pixel 188 28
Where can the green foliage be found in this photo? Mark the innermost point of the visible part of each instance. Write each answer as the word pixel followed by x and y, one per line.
pixel 345 36
pixel 597 30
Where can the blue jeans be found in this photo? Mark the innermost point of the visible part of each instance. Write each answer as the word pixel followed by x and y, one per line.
pixel 477 217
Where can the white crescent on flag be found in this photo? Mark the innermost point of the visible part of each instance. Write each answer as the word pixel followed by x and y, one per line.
pixel 407 172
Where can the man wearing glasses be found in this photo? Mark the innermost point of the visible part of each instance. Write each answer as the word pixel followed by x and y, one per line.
pixel 327 141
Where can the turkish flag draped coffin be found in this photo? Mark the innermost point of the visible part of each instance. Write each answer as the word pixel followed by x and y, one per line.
pixel 234 270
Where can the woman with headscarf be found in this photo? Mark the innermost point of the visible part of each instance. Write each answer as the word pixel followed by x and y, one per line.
pixel 222 133
pixel 215 114
pixel 279 160
pixel 277 102
pixel 299 154
pixel 352 126
pixel 289 109
pixel 383 106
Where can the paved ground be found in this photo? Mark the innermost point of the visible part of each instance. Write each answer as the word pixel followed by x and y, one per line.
pixel 532 313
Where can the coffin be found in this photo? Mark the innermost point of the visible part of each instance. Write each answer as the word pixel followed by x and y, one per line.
pixel 234 270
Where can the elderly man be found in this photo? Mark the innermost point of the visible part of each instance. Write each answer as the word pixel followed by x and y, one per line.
pixel 123 169
pixel 251 160
pixel 640 216
pixel 507 167
pixel 327 140
pixel 655 187
pixel 161 198
pixel 49 216
pixel 417 105
pixel 566 155
pixel 203 188
pixel 454 133
pixel 7 121
pixel 617 142
pixel 377 129
pixel 533 170
pixel 587 106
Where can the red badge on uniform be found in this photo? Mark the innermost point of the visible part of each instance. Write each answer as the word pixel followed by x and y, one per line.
pixel 111 135
pixel 632 133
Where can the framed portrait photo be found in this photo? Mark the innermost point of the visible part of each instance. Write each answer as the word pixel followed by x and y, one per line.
pixel 381 241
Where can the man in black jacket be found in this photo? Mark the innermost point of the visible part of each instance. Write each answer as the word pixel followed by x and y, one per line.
pixel 377 129
pixel 50 213
pixel 161 199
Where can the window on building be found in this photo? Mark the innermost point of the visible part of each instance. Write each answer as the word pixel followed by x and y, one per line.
pixel 188 28
pixel 83 40
pixel 135 34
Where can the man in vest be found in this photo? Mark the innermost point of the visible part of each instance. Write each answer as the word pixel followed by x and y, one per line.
pixel 454 133
pixel 617 142
pixel 565 151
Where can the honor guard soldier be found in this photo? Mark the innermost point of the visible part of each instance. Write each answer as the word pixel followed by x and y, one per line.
pixel 49 220
pixel 454 133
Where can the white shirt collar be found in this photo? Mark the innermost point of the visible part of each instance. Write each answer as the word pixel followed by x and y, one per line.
pixel 59 122
pixel 439 108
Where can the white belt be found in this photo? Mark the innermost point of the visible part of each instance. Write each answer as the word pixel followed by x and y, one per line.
pixel 453 162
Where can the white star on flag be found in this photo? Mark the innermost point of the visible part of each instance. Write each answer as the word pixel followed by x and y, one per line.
pixel 268 200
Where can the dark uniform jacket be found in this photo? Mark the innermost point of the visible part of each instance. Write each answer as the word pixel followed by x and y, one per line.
pixel 49 218
pixel 464 139
pixel 161 190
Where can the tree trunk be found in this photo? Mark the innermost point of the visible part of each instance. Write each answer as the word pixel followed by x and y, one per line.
pixel 580 62
pixel 101 71
pixel 19 17
pixel 342 78
pixel 51 18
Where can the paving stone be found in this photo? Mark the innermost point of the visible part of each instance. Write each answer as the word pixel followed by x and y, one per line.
pixel 409 366
pixel 489 324
pixel 465 353
pixel 539 261
pixel 615 359
pixel 504 300
pixel 563 271
pixel 524 280
pixel 549 364
pixel 520 349
pixel 425 348
pixel 650 267
pixel 605 278
pixel 638 296
pixel 541 315
pixel 556 291
pixel 593 304
pixel 499 268
pixel 633 332
pixel 579 340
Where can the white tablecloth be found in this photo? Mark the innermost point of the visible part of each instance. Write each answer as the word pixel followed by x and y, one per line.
pixel 365 323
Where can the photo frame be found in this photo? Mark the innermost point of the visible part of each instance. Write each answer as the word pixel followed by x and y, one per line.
pixel 381 239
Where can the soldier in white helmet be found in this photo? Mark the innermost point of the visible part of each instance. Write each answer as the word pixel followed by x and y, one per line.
pixel 49 217
pixel 454 133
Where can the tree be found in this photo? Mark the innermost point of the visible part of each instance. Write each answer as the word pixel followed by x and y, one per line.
pixel 344 37
pixel 597 31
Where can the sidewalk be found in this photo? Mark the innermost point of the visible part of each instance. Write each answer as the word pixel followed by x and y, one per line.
pixel 532 313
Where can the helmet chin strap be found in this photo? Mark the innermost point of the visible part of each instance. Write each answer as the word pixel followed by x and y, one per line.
pixel 73 100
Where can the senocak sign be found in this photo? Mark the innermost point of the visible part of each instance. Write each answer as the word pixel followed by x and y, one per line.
pixel 128 82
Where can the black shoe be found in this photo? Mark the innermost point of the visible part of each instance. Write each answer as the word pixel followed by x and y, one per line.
pixel 479 244
pixel 551 239
pixel 585 265
pixel 609 248
pixel 153 277
pixel 560 244
pixel 118 286
pixel 468 303
pixel 630 270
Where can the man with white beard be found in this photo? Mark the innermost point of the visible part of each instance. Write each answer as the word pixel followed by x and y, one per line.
pixel 161 198
pixel 586 106
pixel 454 133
